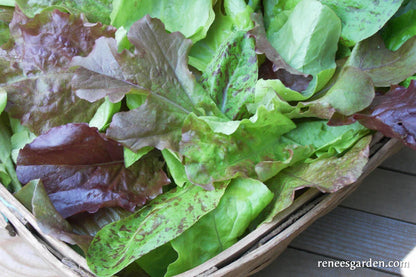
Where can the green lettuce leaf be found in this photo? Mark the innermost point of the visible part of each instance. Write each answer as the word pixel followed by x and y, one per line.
pixel 122 242
pixel 157 68
pixel 102 117
pixel 216 150
pixel 175 166
pixel 352 91
pixel 277 12
pixel 190 17
pixel 399 29
pixel 6 162
pixel 308 41
pixel 319 174
pixel 95 10
pixel 242 202
pixel 362 19
pixel 384 66
pixel 231 76
pixel 230 16
pixel 3 99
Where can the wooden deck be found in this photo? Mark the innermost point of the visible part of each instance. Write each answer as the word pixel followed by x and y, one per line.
pixel 377 222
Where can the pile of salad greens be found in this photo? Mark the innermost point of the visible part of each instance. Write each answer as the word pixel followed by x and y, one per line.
pixel 152 135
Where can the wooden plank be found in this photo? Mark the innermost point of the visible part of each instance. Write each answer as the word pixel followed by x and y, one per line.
pixel 19 258
pixel 386 193
pixel 353 235
pixel 404 161
pixel 293 263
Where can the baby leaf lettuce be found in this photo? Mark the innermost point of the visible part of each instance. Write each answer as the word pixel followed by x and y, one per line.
pixel 230 16
pixel 230 80
pixel 215 150
pixel 122 242
pixel 393 114
pixel 190 17
pixel 38 75
pixel 95 10
pixel 242 202
pixel 362 19
pixel 384 66
pixel 157 68
pixel 82 170
pixel 319 174
pixel 309 47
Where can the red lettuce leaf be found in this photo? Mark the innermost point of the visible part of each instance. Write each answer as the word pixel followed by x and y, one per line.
pixel 275 67
pixel 82 170
pixel 38 72
pixel 393 114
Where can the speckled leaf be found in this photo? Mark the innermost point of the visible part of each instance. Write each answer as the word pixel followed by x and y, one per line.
pixel 384 66
pixel 217 150
pixel 361 19
pixel 231 76
pixel 38 75
pixel 242 202
pixel 157 68
pixel 82 170
pixel 318 174
pixel 165 218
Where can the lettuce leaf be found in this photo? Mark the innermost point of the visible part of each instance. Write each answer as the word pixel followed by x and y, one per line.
pixel 393 114
pixel 216 150
pixel 157 68
pixel 231 16
pixel 309 47
pixel 362 19
pixel 230 81
pixel 122 242
pixel 384 66
pixel 95 10
pixel 319 174
pixel 190 17
pixel 37 69
pixel 242 202
pixel 82 170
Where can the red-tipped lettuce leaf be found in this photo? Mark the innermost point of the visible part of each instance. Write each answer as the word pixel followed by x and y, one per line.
pixel 157 68
pixel 82 170
pixel 37 66
pixel 393 114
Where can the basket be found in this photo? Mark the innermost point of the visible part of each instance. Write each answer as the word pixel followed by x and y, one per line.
pixel 248 256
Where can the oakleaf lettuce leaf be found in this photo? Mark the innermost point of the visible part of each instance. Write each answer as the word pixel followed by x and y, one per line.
pixel 190 17
pixel 229 80
pixel 157 68
pixel 37 69
pixel 393 114
pixel 242 202
pixel 319 174
pixel 384 66
pixel 122 242
pixel 95 10
pixel 82 170
pixel 309 47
